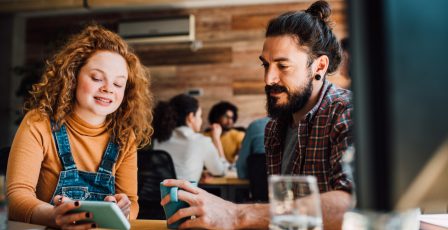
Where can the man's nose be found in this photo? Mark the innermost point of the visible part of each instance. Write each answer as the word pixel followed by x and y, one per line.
pixel 271 76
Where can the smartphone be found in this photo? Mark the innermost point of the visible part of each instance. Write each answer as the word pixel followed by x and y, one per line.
pixel 105 214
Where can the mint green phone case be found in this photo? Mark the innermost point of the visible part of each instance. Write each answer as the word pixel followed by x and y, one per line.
pixel 105 214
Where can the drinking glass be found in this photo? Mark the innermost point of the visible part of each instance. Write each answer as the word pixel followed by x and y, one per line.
pixel 294 203
pixel 3 204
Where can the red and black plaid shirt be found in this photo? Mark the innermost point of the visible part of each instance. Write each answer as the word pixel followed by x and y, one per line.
pixel 323 137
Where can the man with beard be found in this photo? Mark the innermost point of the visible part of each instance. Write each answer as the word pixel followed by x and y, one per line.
pixel 222 116
pixel 310 126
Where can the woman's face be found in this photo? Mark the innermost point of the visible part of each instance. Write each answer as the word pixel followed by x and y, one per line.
pixel 101 86
pixel 197 120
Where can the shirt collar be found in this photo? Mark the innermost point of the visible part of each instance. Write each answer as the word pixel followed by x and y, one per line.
pixel 185 130
pixel 309 116
pixel 77 124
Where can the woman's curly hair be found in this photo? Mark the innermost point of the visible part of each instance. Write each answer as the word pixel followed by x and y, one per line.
pixel 55 94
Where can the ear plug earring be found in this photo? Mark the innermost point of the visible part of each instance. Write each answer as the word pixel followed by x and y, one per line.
pixel 317 77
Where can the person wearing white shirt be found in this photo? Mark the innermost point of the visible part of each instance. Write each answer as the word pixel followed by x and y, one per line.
pixel 176 131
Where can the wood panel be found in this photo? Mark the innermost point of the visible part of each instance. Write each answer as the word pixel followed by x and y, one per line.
pixel 164 4
pixel 213 22
pixel 217 73
pixel 250 22
pixel 39 5
pixel 230 36
pixel 185 56
pixel 246 87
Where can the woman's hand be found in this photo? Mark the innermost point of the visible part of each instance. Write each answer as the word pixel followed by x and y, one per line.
pixel 122 201
pixel 216 131
pixel 70 221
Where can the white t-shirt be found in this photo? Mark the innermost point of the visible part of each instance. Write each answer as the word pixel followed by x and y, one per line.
pixel 190 152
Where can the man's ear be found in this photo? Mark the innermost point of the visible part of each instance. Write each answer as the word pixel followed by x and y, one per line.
pixel 320 65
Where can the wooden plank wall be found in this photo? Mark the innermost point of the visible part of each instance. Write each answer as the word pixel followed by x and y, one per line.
pixel 226 68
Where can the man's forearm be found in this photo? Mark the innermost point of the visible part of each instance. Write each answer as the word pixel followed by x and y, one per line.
pixel 253 216
pixel 334 205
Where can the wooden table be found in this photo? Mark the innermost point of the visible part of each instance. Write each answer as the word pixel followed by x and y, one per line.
pixel 135 224
pixel 227 185
pixel 148 224
pixel 155 225
pixel 426 226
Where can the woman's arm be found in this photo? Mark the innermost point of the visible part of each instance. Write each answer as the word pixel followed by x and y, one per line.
pixel 32 140
pixel 24 165
pixel 126 179
pixel 214 164
pixel 216 132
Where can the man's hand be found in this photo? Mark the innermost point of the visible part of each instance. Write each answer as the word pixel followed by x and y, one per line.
pixel 122 201
pixel 207 210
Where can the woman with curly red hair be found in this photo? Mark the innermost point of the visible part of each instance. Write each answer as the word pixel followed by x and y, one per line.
pixel 78 141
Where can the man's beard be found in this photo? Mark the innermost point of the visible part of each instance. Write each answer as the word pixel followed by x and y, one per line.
pixel 296 100
pixel 225 128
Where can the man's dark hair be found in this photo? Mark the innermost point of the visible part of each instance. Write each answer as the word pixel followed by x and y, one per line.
pixel 311 29
pixel 220 109
pixel 172 114
pixel 345 44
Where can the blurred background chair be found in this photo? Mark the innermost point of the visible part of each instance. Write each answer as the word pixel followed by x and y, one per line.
pixel 258 178
pixel 154 166
pixel 4 155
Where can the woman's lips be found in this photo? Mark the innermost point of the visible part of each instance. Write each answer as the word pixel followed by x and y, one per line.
pixel 103 100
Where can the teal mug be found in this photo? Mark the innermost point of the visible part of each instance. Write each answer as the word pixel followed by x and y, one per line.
pixel 175 204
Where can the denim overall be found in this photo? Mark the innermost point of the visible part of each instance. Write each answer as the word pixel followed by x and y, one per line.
pixel 80 185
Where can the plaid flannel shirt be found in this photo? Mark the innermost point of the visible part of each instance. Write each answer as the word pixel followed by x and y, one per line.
pixel 323 137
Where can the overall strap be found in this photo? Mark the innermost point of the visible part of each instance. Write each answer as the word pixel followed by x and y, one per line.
pixel 109 158
pixel 63 147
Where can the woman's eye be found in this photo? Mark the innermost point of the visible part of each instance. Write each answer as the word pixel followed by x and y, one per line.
pixel 96 78
pixel 118 85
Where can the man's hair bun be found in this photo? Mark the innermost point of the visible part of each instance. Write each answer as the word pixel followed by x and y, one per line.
pixel 320 9
pixel 312 28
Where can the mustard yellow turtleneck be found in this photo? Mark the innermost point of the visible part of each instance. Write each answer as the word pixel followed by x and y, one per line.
pixel 34 165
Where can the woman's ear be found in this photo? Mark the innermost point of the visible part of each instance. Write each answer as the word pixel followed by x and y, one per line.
pixel 189 119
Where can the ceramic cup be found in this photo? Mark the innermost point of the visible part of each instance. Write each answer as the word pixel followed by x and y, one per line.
pixel 175 204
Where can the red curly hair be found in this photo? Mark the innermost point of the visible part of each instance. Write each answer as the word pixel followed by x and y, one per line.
pixel 55 94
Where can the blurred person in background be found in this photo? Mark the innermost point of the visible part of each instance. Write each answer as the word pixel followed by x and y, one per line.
pixel 253 143
pixel 224 115
pixel 176 130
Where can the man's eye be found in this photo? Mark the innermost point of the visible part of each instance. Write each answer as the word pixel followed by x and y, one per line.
pixel 282 66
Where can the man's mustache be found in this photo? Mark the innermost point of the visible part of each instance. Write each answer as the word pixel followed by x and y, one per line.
pixel 275 88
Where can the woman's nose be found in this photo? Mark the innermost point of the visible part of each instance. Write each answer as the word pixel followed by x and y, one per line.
pixel 105 89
